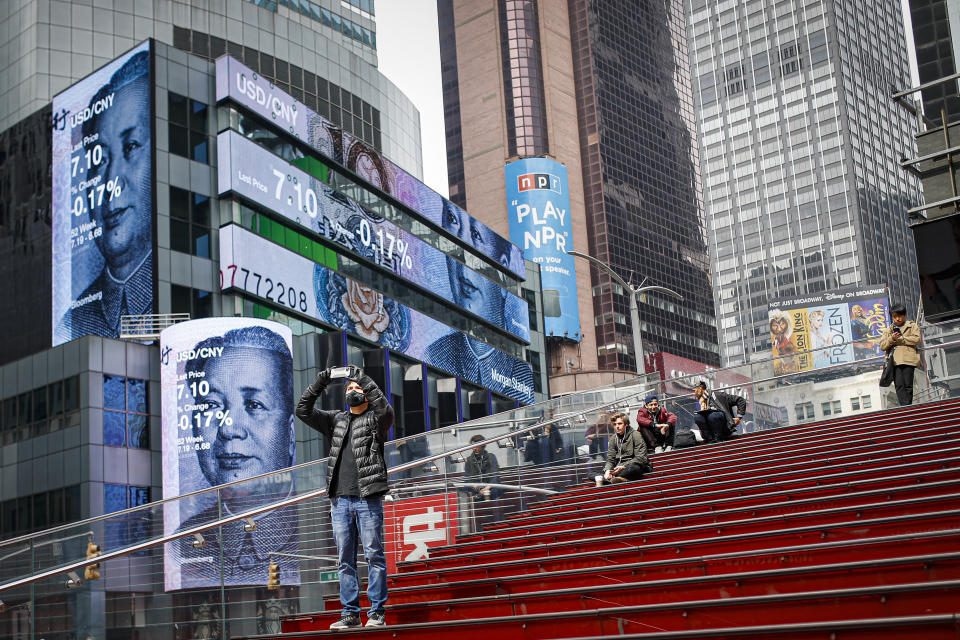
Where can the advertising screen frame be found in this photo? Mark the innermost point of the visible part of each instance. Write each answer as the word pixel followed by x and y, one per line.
pixel 792 331
pixel 275 185
pixel 225 410
pixel 244 86
pixel 62 302
pixel 938 280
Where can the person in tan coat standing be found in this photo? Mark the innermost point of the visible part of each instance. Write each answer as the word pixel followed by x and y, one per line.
pixel 902 336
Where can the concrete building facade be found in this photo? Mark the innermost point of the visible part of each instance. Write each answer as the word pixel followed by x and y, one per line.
pixel 800 145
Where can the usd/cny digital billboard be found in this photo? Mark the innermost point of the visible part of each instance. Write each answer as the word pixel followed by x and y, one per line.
pixel 226 387
pixel 842 326
pixel 102 209
pixel 251 171
pixel 269 271
pixel 538 203
pixel 248 88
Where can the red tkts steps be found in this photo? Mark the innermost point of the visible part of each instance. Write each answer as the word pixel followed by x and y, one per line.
pixel 826 530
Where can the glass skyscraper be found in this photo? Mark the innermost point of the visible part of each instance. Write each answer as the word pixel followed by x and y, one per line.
pixel 616 73
pixel 800 145
pixel 641 174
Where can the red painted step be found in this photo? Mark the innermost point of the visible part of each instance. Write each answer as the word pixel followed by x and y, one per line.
pixel 938 627
pixel 668 548
pixel 553 509
pixel 600 570
pixel 867 549
pixel 711 525
pixel 715 511
pixel 658 501
pixel 739 487
pixel 939 597
pixel 860 574
pixel 790 439
pixel 942 435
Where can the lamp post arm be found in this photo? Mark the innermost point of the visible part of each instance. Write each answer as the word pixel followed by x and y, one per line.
pixel 604 266
pixel 634 309
pixel 666 290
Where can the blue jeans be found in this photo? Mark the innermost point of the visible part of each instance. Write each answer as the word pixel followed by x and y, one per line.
pixel 360 520
pixel 713 427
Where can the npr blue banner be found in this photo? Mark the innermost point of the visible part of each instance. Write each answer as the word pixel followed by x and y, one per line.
pixel 538 203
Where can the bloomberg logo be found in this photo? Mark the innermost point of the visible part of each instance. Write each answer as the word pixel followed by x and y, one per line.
pixel 539 182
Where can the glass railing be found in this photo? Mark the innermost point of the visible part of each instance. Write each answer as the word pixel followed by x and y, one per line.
pixel 197 565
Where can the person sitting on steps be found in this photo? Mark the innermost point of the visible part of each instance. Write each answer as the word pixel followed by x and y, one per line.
pixel 656 425
pixel 627 455
pixel 715 419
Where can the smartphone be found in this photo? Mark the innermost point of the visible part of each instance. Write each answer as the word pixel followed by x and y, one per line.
pixel 339 372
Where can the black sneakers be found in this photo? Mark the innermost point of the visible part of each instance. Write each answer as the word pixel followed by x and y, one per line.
pixel 375 619
pixel 347 621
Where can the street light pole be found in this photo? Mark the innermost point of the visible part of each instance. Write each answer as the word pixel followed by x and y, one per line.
pixel 635 291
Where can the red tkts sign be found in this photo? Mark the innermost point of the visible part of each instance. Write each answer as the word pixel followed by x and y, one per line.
pixel 414 525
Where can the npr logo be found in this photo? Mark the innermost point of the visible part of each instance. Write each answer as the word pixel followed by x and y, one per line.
pixel 538 182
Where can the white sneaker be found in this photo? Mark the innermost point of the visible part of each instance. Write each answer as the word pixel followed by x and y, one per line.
pixel 668 449
pixel 658 450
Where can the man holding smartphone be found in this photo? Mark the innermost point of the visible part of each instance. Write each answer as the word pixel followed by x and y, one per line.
pixel 902 336
pixel 356 482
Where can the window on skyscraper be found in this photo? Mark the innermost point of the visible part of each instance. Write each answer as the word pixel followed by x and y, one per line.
pixel 735 80
pixel 790 60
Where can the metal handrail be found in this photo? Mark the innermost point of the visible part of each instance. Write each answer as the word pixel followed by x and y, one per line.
pixel 140 546
pixel 156 503
pixel 252 512
pixel 470 485
pixel 420 462
pixel 402 467
pixel 148 326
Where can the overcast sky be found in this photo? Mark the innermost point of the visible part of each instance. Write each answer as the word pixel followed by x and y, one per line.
pixel 408 49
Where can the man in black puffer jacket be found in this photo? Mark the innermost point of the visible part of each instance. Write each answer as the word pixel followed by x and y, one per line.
pixel 356 482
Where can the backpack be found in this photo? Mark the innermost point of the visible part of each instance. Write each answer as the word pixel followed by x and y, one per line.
pixel 683 439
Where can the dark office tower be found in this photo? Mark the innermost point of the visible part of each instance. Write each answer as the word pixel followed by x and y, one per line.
pixel 934 22
pixel 640 172
pixel 603 88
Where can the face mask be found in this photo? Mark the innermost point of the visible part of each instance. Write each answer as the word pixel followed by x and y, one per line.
pixel 355 398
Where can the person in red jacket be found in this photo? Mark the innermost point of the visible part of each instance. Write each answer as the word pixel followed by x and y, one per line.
pixel 656 425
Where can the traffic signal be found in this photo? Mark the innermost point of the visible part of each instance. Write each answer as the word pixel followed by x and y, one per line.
pixel 92 571
pixel 273 576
